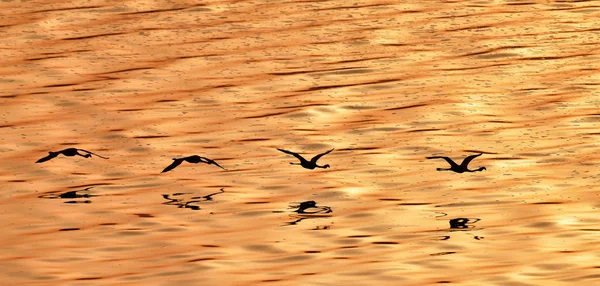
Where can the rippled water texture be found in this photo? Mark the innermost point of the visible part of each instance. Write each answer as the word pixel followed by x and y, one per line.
pixel 384 83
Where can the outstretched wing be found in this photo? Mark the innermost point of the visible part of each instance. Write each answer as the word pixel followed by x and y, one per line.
pixel 467 160
pixel 176 162
pixel 50 156
pixel 452 164
pixel 316 158
pixel 294 154
pixel 209 161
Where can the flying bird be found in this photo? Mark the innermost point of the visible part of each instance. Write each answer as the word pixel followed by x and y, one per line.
pixel 195 159
pixel 307 164
pixel 459 168
pixel 68 152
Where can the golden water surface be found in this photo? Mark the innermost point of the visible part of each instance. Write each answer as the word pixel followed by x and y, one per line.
pixel 385 83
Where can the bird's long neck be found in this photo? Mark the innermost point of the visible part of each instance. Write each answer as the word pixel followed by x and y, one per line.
pixel 477 170
pixel 323 167
pixel 89 153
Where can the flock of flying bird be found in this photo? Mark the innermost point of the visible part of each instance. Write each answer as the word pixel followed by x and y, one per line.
pixel 312 164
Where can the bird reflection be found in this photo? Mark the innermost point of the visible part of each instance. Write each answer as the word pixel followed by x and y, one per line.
pixel 70 195
pixel 296 221
pixel 306 210
pixel 188 203
pixel 69 152
pixel 462 223
pixel 310 207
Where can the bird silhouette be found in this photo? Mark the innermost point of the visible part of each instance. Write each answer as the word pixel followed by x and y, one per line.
pixel 307 164
pixel 195 159
pixel 459 168
pixel 68 152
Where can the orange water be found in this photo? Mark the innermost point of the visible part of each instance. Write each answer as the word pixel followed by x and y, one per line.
pixel 386 84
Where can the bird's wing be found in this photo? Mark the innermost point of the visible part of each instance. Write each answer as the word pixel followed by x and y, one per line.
pixel 452 164
pixel 50 156
pixel 467 160
pixel 294 154
pixel 176 162
pixel 316 158
pixel 209 161
pixel 92 153
pixel 214 163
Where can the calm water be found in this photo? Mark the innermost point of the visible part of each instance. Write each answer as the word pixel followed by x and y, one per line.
pixel 385 84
